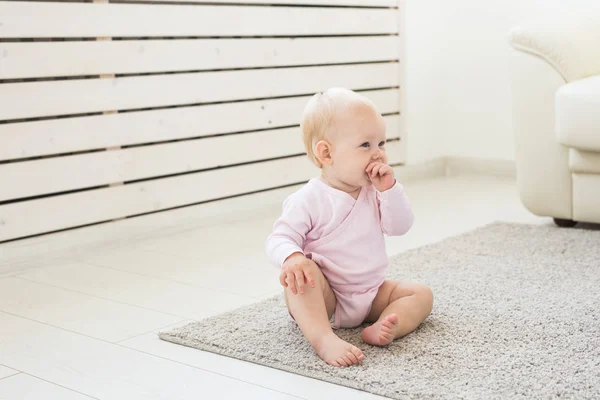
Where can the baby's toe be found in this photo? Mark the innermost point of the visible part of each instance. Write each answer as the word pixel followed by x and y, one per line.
pixel 342 361
pixel 352 357
pixel 356 351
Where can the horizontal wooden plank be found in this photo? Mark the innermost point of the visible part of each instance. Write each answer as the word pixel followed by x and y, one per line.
pixel 59 59
pixel 46 19
pixel 37 99
pixel 356 3
pixel 60 174
pixel 56 136
pixel 71 210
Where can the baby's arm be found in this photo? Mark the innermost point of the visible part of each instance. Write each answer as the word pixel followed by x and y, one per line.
pixel 284 245
pixel 289 231
pixel 395 210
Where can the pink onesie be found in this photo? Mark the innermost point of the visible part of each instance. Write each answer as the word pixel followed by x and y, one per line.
pixel 344 237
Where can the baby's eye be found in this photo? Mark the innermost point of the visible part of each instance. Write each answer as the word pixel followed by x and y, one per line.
pixel 381 144
pixel 365 144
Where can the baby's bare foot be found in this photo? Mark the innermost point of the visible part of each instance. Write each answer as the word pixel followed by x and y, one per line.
pixel 381 333
pixel 334 351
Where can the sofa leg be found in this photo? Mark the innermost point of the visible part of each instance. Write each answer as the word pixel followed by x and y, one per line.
pixel 565 223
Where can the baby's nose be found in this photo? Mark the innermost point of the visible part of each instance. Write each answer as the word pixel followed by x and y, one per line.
pixel 377 154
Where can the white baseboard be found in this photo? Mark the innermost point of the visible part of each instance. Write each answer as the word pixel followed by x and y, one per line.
pixel 425 170
pixel 454 166
pixel 468 165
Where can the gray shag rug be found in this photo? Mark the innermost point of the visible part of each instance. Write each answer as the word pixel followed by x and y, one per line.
pixel 516 315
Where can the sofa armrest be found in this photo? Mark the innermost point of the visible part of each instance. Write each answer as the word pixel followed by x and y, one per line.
pixel 543 176
pixel 568 42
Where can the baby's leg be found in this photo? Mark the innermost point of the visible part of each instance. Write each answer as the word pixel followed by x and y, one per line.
pixel 398 309
pixel 312 311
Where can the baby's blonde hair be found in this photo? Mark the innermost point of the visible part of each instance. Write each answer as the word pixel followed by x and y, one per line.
pixel 319 114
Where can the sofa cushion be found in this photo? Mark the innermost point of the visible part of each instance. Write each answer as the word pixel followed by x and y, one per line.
pixel 577 113
pixel 584 162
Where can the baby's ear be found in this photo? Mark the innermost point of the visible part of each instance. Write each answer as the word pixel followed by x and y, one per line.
pixel 323 152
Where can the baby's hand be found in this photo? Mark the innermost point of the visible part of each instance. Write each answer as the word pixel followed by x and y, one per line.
pixel 297 270
pixel 381 175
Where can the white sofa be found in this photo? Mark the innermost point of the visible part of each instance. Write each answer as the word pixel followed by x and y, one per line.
pixel 555 84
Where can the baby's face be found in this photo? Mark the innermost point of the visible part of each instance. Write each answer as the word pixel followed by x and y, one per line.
pixel 358 140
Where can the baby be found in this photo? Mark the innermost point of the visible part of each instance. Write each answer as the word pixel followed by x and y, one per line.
pixel 329 240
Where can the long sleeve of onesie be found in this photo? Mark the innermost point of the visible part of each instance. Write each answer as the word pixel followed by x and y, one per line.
pixel 395 210
pixel 289 231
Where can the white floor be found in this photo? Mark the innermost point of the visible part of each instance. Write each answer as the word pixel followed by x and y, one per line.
pixel 81 323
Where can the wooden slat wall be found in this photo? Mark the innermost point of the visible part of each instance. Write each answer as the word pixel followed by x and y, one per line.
pixel 177 104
